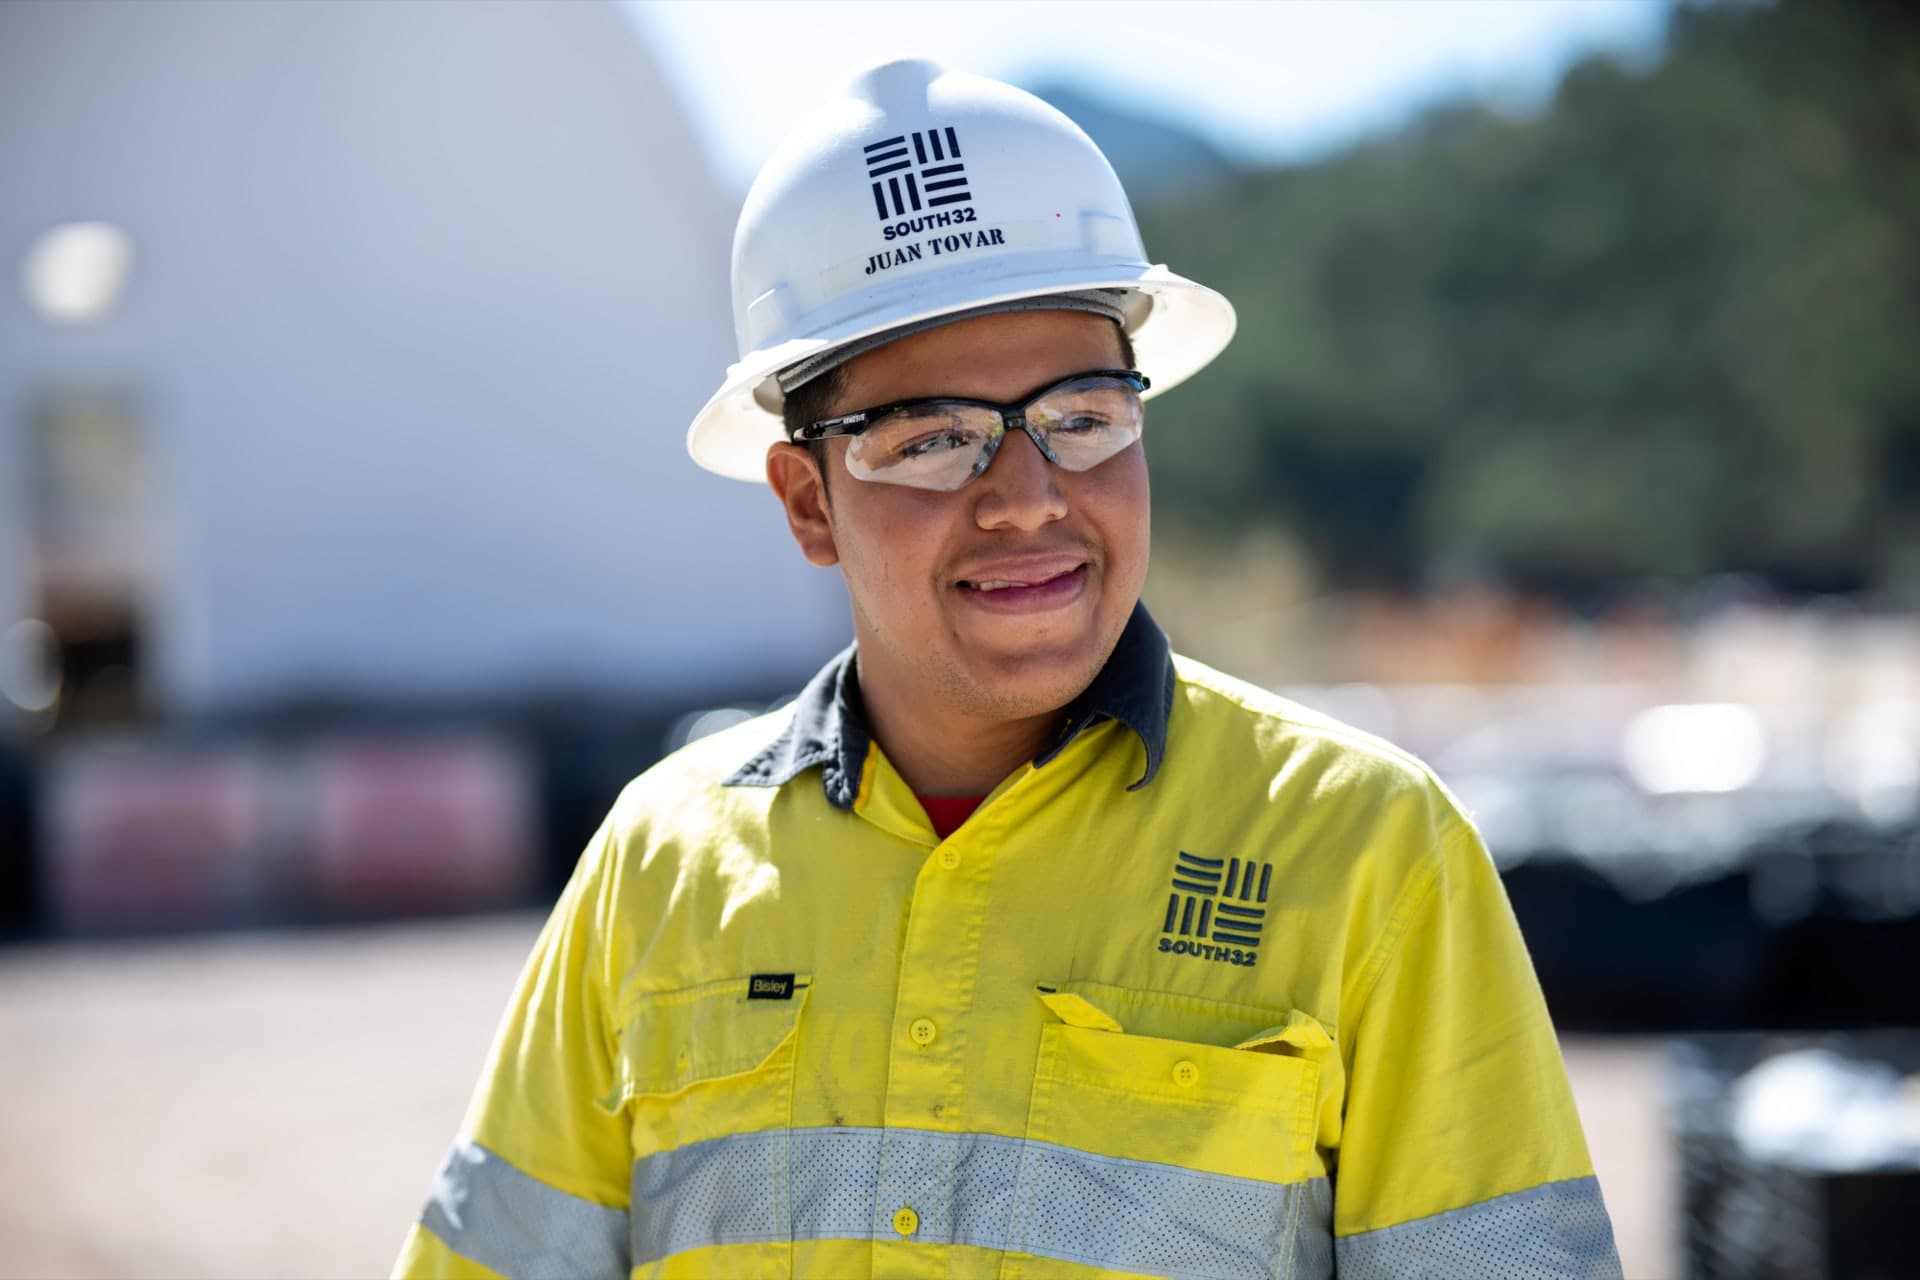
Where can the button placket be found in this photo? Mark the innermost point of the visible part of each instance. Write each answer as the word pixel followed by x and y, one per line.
pixel 939 962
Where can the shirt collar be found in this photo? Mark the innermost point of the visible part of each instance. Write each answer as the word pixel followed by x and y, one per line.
pixel 829 726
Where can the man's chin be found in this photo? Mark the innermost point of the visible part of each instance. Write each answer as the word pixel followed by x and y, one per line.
pixel 1034 679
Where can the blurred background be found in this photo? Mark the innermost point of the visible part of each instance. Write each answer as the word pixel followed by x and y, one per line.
pixel 350 559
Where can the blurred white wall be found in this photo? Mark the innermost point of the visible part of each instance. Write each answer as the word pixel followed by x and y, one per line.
pixel 423 297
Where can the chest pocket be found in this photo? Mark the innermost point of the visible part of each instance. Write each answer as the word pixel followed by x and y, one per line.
pixel 707 1061
pixel 705 1076
pixel 1185 1130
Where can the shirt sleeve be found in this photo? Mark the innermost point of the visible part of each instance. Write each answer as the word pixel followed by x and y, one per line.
pixel 537 1182
pixel 1461 1153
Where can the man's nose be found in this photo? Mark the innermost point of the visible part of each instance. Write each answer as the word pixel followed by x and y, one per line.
pixel 1019 488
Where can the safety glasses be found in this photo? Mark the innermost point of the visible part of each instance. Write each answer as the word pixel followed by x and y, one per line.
pixel 944 442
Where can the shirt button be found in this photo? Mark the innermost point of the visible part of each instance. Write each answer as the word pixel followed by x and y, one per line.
pixel 906 1221
pixel 949 858
pixel 1186 1074
pixel 922 1031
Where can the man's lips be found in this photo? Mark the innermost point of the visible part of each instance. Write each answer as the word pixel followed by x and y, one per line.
pixel 1005 590
pixel 1014 572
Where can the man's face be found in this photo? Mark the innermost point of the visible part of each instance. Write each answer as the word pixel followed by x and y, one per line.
pixel 920 565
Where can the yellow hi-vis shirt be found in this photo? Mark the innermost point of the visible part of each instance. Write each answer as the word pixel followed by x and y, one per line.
pixel 1216 987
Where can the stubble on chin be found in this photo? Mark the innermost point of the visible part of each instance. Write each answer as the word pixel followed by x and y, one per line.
pixel 1017 686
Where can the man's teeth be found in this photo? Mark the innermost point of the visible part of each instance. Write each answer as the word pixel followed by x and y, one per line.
pixel 1003 584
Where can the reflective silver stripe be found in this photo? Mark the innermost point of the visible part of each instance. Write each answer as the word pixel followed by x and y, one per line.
pixel 969 1188
pixel 1556 1230
pixel 489 1211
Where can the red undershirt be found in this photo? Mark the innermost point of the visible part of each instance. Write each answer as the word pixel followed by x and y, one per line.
pixel 946 813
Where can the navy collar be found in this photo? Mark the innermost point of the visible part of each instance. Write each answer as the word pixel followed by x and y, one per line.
pixel 829 726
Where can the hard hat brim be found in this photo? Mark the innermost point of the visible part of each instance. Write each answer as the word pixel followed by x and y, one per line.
pixel 1186 327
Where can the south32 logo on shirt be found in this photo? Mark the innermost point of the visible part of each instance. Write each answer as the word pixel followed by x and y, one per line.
pixel 1217 909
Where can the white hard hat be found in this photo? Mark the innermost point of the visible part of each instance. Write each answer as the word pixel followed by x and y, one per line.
pixel 921 193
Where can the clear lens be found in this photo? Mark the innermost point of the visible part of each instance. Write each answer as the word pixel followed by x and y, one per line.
pixel 935 445
pixel 1088 420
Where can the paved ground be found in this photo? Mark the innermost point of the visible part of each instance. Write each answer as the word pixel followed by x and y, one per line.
pixel 275 1105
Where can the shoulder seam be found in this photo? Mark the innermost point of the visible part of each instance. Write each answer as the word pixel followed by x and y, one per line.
pixel 1332 729
pixel 1414 895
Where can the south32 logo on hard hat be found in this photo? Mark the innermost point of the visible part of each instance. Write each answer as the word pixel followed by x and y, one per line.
pixel 904 166
pixel 919 185
pixel 1217 909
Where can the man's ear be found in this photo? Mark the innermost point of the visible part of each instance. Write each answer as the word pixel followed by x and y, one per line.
pixel 802 490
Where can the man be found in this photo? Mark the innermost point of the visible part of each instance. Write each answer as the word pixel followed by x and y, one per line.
pixel 1016 946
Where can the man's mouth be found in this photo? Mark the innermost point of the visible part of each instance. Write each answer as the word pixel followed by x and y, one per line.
pixel 1026 592
pixel 1004 584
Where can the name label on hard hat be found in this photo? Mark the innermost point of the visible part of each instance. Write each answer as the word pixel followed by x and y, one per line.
pixel 954 242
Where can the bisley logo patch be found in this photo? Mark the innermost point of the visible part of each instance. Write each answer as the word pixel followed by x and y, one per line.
pixel 912 171
pixel 770 986
pixel 1217 908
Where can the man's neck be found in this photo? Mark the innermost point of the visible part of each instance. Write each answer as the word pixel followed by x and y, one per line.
pixel 943 752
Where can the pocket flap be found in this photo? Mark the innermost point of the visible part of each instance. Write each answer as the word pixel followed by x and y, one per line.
pixel 1076 1010
pixel 678 1038
pixel 1300 1036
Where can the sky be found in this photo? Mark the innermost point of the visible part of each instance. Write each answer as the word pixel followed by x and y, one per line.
pixel 1267 80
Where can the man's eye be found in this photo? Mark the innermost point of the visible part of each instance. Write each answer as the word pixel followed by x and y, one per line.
pixel 1082 424
pixel 932 442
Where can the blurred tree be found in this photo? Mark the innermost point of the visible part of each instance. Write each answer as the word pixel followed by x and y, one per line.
pixel 1670 326
pixel 1153 156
